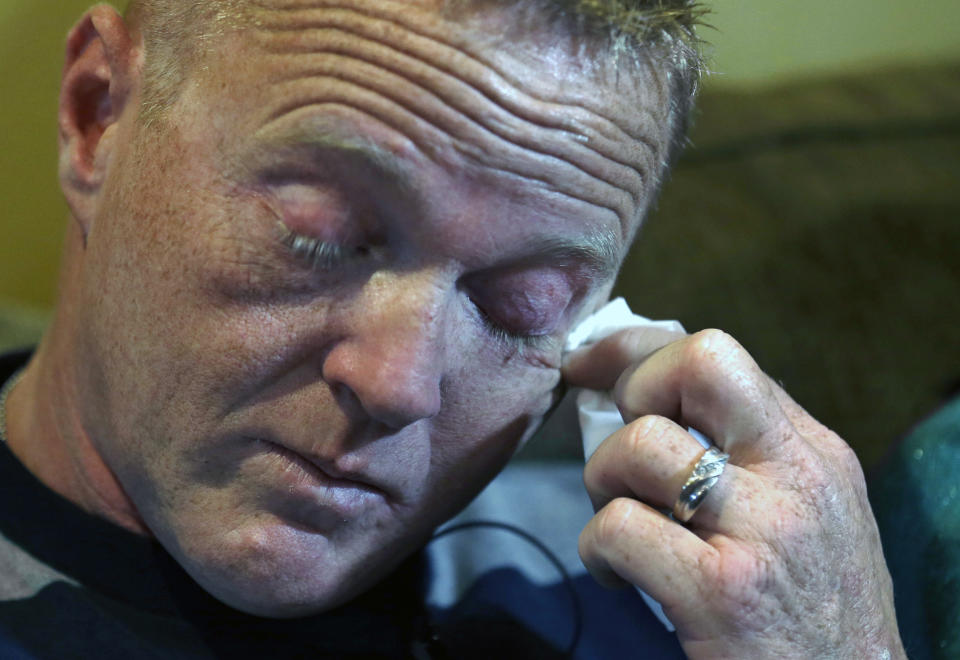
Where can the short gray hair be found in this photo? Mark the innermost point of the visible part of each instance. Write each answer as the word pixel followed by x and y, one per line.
pixel 624 34
pixel 175 36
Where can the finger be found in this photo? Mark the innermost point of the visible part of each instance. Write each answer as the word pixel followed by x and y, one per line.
pixel 710 382
pixel 652 458
pixel 598 366
pixel 627 540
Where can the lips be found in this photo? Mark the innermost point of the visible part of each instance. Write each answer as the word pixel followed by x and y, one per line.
pixel 325 472
pixel 313 494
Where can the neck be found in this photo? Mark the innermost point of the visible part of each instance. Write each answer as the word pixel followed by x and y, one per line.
pixel 45 431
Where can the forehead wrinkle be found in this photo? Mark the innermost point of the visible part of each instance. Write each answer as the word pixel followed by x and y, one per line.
pixel 529 137
pixel 602 202
pixel 351 102
pixel 359 99
pixel 489 85
pixel 437 28
pixel 371 52
pixel 576 116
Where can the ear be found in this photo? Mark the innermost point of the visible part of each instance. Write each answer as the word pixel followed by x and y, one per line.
pixel 98 81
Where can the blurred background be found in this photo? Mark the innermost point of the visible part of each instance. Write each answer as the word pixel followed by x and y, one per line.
pixel 816 215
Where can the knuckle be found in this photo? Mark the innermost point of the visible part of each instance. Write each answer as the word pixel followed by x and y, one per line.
pixel 593 473
pixel 852 470
pixel 623 341
pixel 713 341
pixel 817 511
pixel 849 460
pixel 621 346
pixel 640 432
pixel 585 543
pixel 620 391
pixel 590 475
pixel 812 480
pixel 640 340
pixel 613 519
pixel 709 350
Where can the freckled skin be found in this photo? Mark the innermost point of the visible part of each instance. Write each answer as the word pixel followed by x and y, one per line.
pixel 194 345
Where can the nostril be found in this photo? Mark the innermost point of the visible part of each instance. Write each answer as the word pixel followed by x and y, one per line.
pixel 403 399
pixel 384 382
pixel 348 401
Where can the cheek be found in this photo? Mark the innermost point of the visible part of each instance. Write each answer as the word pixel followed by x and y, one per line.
pixel 492 385
pixel 490 406
pixel 479 431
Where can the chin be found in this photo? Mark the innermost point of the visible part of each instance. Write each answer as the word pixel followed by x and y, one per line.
pixel 278 601
pixel 280 571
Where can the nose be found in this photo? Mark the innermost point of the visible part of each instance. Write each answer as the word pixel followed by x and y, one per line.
pixel 391 360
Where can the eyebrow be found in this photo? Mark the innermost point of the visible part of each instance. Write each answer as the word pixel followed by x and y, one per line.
pixel 314 139
pixel 599 251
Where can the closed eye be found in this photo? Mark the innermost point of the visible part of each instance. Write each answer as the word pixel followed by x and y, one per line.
pixel 320 254
pixel 512 339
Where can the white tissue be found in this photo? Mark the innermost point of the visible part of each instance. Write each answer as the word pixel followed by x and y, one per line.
pixel 599 416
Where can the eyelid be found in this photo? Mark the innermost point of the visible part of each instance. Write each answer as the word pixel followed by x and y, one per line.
pixel 320 254
pixel 322 221
pixel 308 207
pixel 518 342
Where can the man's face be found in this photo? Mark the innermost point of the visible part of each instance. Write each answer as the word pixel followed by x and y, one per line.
pixel 323 305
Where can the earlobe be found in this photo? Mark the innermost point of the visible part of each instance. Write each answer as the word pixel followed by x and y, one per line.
pixel 97 86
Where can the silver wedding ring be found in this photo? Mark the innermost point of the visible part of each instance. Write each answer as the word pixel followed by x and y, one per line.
pixel 704 476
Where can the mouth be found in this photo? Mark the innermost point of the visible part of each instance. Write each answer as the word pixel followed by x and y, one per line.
pixel 320 484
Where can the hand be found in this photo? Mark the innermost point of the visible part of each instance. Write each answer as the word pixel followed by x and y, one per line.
pixel 783 558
